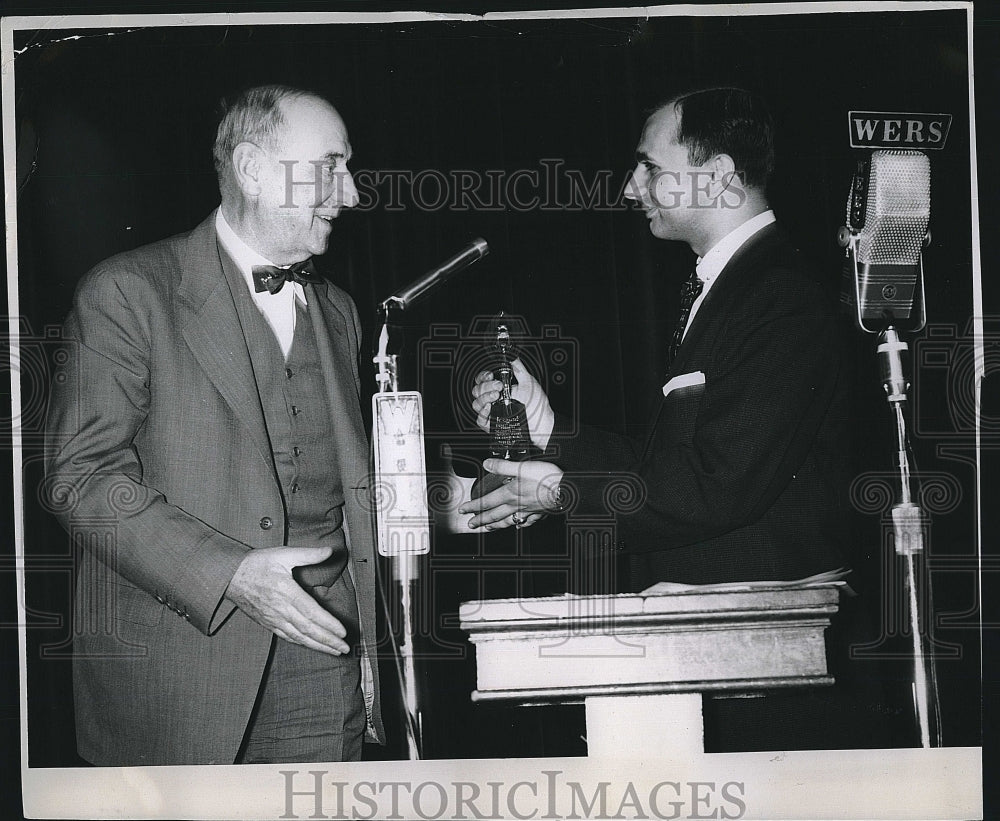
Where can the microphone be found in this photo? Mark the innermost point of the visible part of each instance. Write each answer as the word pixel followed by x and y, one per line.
pixel 419 288
pixel 888 209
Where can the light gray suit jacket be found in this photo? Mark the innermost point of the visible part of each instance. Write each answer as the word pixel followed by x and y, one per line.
pixel 159 465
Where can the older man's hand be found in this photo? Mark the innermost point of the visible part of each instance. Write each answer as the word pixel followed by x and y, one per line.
pixel 264 589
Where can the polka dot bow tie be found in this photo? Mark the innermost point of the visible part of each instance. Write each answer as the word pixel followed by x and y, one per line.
pixel 271 278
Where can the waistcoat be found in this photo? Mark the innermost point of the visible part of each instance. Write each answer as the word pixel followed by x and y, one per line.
pixel 298 418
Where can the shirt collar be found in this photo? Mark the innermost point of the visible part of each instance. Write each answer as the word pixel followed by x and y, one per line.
pixel 246 257
pixel 243 255
pixel 710 266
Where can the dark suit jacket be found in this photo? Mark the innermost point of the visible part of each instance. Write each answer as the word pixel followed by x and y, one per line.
pixel 744 476
pixel 159 465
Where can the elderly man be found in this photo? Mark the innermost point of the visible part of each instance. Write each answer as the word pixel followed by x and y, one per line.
pixel 207 451
pixel 742 474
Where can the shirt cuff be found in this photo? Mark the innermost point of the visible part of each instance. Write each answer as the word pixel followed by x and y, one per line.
pixel 543 430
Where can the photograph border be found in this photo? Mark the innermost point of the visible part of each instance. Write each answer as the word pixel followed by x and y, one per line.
pixel 901 783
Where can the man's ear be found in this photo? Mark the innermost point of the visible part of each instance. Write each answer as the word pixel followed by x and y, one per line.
pixel 724 174
pixel 248 168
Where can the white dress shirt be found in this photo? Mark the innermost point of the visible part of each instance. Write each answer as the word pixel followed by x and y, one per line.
pixel 710 266
pixel 277 309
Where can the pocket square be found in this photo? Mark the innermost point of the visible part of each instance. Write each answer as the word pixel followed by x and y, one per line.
pixel 684 380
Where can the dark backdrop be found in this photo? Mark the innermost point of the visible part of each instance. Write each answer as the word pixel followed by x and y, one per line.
pixel 122 128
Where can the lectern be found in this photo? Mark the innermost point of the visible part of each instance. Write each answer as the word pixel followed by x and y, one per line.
pixel 641 663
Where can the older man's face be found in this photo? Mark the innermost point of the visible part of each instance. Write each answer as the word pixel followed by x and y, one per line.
pixel 305 183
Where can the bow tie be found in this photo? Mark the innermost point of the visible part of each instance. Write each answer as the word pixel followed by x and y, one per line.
pixel 271 278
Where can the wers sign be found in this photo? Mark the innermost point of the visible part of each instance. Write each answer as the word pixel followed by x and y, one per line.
pixel 894 129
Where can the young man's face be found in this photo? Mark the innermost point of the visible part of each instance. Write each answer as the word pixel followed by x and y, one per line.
pixel 664 182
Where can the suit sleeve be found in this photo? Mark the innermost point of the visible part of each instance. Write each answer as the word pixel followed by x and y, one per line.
pixel 93 470
pixel 773 371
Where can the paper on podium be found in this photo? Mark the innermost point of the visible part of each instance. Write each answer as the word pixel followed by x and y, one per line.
pixel 827 577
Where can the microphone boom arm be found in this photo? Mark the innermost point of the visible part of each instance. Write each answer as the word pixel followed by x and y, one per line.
pixel 419 288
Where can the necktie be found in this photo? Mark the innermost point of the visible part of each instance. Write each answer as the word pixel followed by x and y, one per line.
pixel 689 293
pixel 271 278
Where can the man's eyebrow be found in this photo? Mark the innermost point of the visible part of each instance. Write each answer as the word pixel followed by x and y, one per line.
pixel 336 155
pixel 642 156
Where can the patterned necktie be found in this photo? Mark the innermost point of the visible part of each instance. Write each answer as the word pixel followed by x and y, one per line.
pixel 689 293
pixel 271 278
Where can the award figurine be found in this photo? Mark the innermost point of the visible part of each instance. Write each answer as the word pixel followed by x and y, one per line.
pixel 509 435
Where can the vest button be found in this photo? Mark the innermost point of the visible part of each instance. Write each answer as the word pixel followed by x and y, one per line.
pixel 266 523
pixel 297 451
pixel 288 373
pixel 296 410
pixel 295 487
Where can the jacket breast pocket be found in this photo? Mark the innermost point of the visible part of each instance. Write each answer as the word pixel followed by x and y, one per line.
pixel 680 413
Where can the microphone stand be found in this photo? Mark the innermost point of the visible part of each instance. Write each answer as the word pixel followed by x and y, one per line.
pixel 400 494
pixel 909 524
pixel 388 405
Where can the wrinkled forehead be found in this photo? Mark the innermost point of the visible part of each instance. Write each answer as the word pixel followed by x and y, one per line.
pixel 313 130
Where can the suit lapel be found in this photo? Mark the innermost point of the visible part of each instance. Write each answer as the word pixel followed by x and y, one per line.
pixel 211 327
pixel 728 279
pixel 334 333
pixel 330 326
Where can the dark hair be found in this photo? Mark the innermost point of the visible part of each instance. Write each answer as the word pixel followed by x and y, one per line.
pixel 729 121
pixel 253 115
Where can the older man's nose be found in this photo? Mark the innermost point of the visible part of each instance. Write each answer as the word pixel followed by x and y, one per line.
pixel 345 193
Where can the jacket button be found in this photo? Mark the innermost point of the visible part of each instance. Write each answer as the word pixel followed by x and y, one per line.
pixel 266 523
pixel 288 373
pixel 297 450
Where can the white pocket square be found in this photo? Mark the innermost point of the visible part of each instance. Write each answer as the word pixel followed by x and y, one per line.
pixel 684 380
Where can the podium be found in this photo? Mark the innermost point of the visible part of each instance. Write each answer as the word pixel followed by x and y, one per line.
pixel 641 663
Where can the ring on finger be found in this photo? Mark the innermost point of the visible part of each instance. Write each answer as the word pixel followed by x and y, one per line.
pixel 517 520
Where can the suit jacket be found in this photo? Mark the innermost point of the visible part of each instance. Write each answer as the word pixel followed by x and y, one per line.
pixel 159 465
pixel 743 474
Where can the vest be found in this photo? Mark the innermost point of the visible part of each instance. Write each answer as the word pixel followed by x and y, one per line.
pixel 298 418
